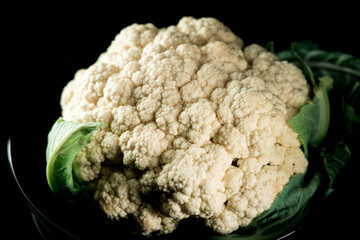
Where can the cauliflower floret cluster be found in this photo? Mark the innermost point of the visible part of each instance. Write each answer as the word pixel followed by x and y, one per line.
pixel 194 125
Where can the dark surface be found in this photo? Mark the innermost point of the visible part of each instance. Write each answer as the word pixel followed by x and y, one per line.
pixel 43 46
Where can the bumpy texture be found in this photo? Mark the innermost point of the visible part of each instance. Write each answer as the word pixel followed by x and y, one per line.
pixel 195 125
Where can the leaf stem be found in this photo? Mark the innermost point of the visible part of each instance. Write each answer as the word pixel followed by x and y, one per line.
pixel 335 67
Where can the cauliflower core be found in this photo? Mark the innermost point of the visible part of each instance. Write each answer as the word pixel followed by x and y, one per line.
pixel 194 125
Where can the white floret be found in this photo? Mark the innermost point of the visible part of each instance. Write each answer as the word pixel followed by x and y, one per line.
pixel 143 146
pixel 282 78
pixel 118 195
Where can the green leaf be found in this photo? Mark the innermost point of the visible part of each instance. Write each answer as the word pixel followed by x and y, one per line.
pixel 351 110
pixel 351 118
pixel 335 161
pixel 312 121
pixel 65 140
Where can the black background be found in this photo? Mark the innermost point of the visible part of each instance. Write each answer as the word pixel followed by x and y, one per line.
pixel 42 46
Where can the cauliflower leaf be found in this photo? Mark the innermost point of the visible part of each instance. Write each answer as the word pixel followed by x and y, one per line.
pixel 335 162
pixel 65 140
pixel 312 121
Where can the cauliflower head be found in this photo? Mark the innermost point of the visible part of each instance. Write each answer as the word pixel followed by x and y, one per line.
pixel 194 125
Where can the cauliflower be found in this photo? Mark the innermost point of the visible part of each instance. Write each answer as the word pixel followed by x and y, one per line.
pixel 194 125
